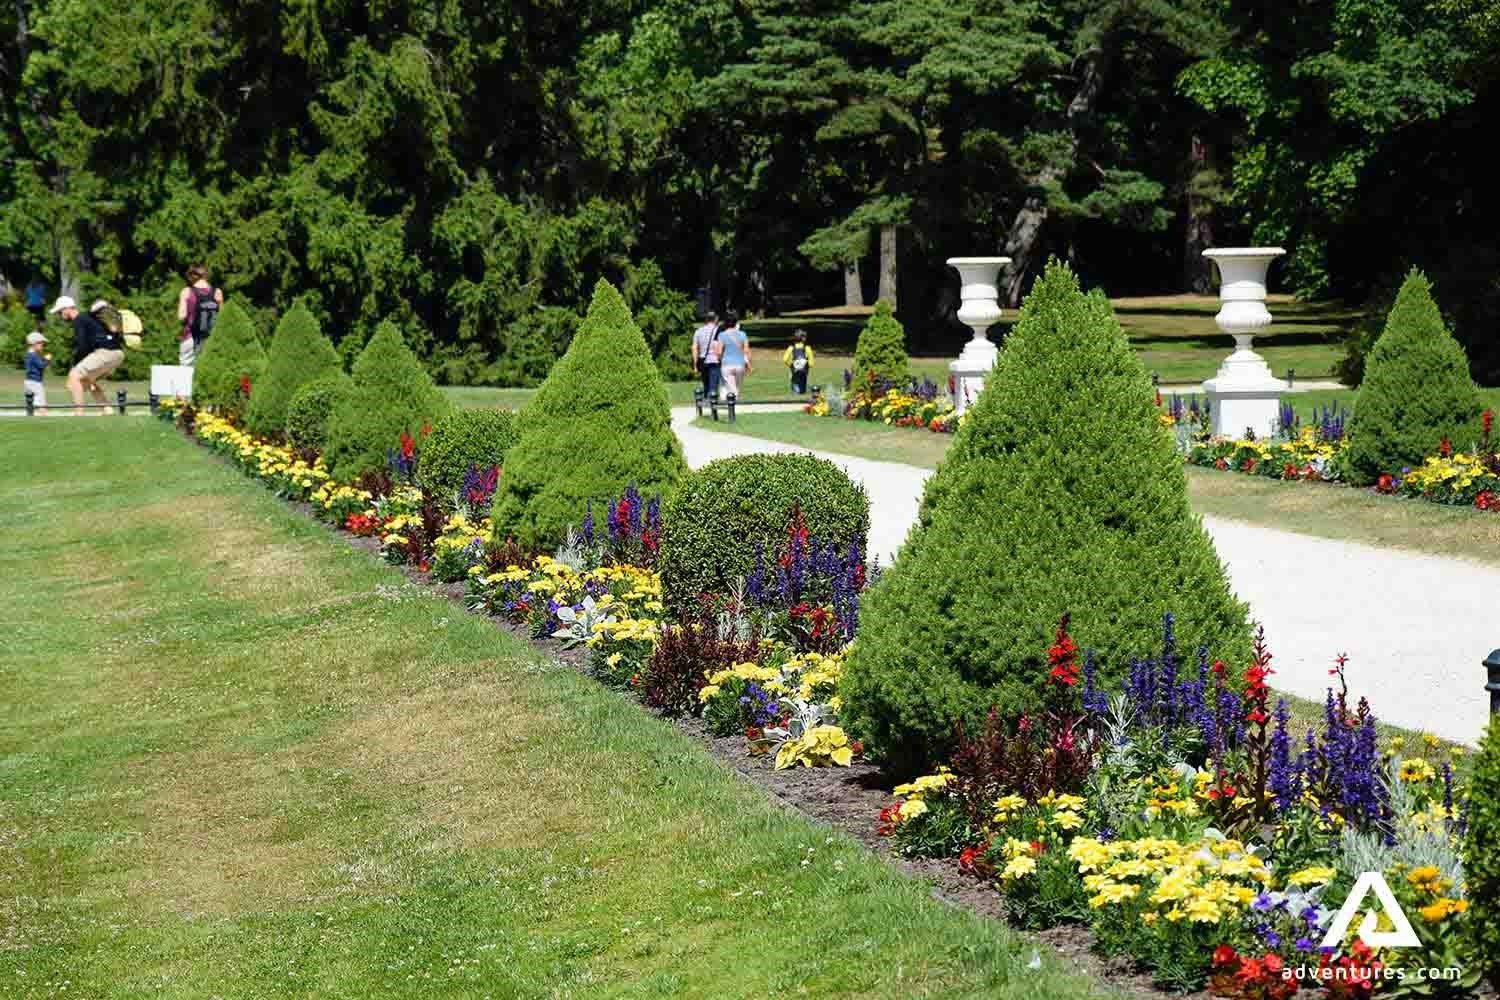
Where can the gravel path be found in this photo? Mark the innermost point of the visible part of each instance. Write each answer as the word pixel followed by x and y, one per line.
pixel 1416 627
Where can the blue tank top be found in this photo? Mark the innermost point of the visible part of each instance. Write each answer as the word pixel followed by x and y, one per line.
pixel 735 343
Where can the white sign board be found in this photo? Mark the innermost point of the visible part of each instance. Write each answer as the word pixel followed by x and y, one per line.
pixel 168 381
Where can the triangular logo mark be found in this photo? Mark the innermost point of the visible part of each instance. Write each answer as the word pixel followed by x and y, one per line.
pixel 1402 937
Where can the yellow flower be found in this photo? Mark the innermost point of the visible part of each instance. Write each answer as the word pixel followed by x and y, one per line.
pixel 1416 770
pixel 1311 876
pixel 1018 867
pixel 1066 820
pixel 912 808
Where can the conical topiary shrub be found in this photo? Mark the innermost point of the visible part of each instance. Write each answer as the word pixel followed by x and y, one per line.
pixel 393 394
pixel 1061 494
pixel 299 354
pixel 231 354
pixel 880 354
pixel 598 423
pixel 1416 393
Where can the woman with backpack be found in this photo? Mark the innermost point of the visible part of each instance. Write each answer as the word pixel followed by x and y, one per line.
pixel 198 308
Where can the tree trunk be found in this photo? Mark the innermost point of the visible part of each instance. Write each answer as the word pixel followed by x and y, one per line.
pixel 1023 245
pixel 1197 271
pixel 888 264
pixel 854 295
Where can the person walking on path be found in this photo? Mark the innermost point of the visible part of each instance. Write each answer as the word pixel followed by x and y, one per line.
pixel 198 308
pixel 96 351
pixel 798 359
pixel 36 301
pixel 705 363
pixel 36 367
pixel 735 362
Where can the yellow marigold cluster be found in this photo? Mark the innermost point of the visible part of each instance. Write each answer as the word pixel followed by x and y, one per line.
pixel 1199 881
pixel 1456 472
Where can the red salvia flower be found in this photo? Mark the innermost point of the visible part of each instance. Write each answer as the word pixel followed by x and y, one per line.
pixel 1445 448
pixel 1063 657
pixel 245 385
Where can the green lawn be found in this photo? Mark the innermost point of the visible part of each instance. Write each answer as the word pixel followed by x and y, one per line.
pixel 241 758
pixel 1325 510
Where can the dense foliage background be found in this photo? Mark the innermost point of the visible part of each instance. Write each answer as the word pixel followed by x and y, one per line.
pixel 468 170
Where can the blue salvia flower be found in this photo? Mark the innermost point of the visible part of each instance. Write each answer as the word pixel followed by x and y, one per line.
pixel 1283 777
pixel 1287 418
pixel 588 523
pixel 1167 688
pixel 1093 699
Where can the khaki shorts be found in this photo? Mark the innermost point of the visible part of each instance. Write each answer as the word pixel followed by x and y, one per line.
pixel 38 392
pixel 98 364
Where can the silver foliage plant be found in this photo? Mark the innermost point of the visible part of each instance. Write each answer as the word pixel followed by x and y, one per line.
pixel 1409 842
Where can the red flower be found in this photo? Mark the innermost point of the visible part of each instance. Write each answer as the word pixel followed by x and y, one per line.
pixel 1487 500
pixel 245 385
pixel 1386 483
pixel 1063 657
pixel 1224 954
pixel 857 747
pixel 1487 418
pixel 890 818
pixel 408 445
pixel 1221 465
pixel 1445 448
pixel 1220 667
pixel 426 429
pixel 753 732
pixel 1289 471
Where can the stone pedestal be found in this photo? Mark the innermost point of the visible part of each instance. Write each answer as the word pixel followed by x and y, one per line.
pixel 1245 395
pixel 979 310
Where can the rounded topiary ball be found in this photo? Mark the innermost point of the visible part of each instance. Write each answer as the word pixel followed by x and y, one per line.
pixel 463 439
pixel 721 515
pixel 308 412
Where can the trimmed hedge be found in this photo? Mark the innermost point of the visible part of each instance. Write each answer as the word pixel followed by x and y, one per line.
pixel 299 354
pixel 1482 858
pixel 881 348
pixel 312 405
pixel 598 423
pixel 1417 391
pixel 232 352
pixel 392 394
pixel 721 515
pixel 462 439
pixel 1061 494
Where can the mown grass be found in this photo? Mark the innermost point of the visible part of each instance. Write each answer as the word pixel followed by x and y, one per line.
pixel 243 759
pixel 1320 509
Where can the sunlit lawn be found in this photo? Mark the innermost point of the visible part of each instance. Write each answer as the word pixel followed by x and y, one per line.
pixel 240 758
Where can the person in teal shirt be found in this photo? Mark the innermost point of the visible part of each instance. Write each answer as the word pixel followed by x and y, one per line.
pixel 735 363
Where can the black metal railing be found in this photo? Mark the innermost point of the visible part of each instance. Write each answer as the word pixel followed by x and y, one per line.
pixel 121 404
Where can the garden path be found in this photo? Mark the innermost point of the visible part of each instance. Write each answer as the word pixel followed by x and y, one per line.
pixel 1415 626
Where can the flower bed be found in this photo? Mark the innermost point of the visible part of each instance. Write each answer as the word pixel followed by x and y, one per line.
pixel 913 403
pixel 1186 820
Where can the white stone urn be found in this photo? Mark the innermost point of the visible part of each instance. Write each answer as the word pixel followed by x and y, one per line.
pixel 1245 395
pixel 979 309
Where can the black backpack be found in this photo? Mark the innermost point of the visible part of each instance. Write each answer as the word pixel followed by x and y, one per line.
pixel 205 312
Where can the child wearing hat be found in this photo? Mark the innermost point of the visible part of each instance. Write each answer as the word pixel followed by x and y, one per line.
pixel 36 367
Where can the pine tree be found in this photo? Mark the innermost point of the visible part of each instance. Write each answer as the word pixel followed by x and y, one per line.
pixel 393 394
pixel 1061 494
pixel 231 355
pixel 597 424
pixel 1417 391
pixel 299 354
pixel 880 354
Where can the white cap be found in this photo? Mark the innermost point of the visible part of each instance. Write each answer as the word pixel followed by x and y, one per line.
pixel 63 302
pixel 98 304
pixel 35 337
